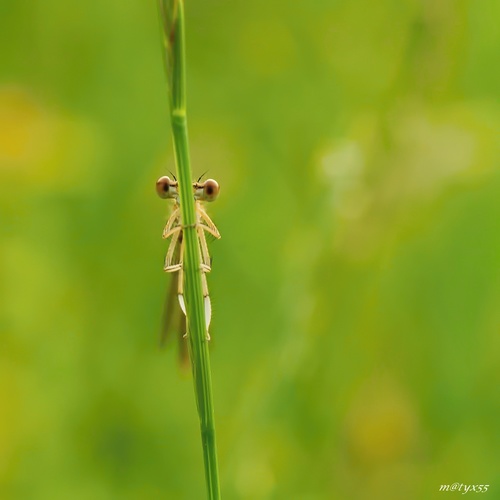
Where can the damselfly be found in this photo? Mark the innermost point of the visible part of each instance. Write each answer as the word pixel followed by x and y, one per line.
pixel 174 260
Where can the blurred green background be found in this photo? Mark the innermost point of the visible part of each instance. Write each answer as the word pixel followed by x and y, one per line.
pixel 356 287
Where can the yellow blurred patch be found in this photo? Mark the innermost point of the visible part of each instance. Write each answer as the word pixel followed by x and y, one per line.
pixel 24 128
pixel 381 424
pixel 42 147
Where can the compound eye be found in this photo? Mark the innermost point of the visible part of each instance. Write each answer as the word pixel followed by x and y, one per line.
pixel 210 190
pixel 165 187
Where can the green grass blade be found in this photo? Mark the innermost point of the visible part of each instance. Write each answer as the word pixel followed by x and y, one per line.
pixel 172 16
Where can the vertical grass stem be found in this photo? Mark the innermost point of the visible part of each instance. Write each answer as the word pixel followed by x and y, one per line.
pixel 172 15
